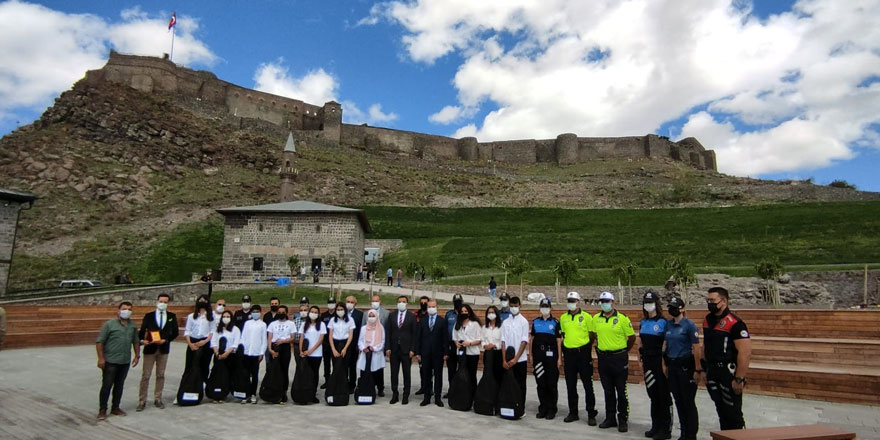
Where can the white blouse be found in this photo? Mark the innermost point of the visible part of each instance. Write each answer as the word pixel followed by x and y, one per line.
pixel 469 333
pixel 491 336
pixel 312 335
pixel 198 327
pixel 340 328
pixel 253 337
pixel 233 338
pixel 281 330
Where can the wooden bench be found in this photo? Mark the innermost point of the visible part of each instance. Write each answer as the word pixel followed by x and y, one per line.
pixel 800 432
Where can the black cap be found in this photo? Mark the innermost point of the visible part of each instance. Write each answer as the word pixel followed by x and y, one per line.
pixel 304 300
pixel 246 298
pixel 457 297
pixel 676 302
pixel 545 302
pixel 331 300
pixel 505 296
pixel 650 297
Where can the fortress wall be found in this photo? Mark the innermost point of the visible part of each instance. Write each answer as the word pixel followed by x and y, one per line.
pixel 521 151
pixel 545 150
pixel 611 148
pixel 377 138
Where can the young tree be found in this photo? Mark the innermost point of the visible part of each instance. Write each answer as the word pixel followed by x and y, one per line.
pixel 626 272
pixel 294 264
pixel 518 265
pixel 566 270
pixel 682 274
pixel 770 270
pixel 372 267
pixel 437 272
pixel 413 268
pixel 335 266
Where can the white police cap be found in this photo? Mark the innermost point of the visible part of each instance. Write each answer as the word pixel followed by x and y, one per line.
pixel 573 295
pixel 606 296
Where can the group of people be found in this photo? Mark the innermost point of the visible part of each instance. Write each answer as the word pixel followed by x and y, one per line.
pixel 673 360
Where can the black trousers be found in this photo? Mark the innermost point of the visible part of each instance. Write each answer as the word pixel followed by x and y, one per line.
pixel 495 366
pixel 315 365
pixel 351 363
pixel 728 404
pixel 432 375
pixel 684 390
pixel 401 358
pixel 112 377
pixel 283 351
pixel 204 360
pixel 613 371
pixel 546 372
pixel 519 372
pixel 658 392
pixel 579 362
pixel 252 366
pixel 451 362
pixel 328 358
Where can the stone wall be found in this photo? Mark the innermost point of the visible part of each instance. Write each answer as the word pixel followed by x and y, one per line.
pixel 181 294
pixel 275 237
pixel 8 222
pixel 847 287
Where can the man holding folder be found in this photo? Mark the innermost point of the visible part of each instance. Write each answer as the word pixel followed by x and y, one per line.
pixel 158 329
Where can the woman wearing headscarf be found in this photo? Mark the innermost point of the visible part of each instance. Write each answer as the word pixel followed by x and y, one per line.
pixel 372 340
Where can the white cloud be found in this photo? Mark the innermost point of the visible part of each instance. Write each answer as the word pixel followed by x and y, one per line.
pixel 783 90
pixel 376 115
pixel 43 51
pixel 352 114
pixel 315 87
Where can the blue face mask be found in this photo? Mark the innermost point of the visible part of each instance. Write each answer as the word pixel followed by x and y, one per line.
pixel 255 315
pixel 606 307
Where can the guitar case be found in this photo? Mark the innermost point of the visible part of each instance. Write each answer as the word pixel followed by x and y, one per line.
pixel 510 402
pixel 365 392
pixel 217 385
pixel 190 391
pixel 336 393
pixel 240 381
pixel 461 390
pixel 274 386
pixel 304 386
pixel 486 395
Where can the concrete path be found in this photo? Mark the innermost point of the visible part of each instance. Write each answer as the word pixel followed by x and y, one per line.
pixel 382 289
pixel 53 393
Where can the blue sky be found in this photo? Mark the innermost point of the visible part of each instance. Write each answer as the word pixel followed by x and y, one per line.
pixel 780 89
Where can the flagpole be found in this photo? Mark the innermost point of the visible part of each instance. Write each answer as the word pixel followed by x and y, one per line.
pixel 171 57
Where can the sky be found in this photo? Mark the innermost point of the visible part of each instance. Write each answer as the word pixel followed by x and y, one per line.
pixel 780 89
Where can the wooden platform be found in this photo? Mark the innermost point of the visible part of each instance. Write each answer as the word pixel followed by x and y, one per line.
pixel 802 432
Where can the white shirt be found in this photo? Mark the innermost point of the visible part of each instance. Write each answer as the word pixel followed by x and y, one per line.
pixel 233 338
pixel 253 337
pixel 340 328
pixel 491 335
pixel 515 331
pixel 377 360
pixel 281 330
pixel 198 327
pixel 312 335
pixel 469 333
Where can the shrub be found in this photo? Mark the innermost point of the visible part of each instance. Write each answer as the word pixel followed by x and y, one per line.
pixel 840 183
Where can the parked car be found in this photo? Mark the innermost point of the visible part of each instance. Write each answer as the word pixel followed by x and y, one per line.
pixel 75 284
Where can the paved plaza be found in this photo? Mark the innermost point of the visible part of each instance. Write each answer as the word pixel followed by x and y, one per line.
pixel 52 393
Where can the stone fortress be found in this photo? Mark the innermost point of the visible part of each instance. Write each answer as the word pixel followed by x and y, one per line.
pixel 204 93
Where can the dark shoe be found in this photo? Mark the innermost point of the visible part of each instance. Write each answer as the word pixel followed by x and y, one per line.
pixel 540 415
pixel 315 400
pixel 420 392
pixel 159 404
pixel 425 402
pixel 662 435
pixel 324 386
pixel 551 416
pixel 445 395
pixel 650 434
pixel 622 427
pixel 571 417
pixel 118 412
pixel 102 414
pixel 405 400
pixel 141 406
pixel 380 393
pixel 438 402
pixel 591 420
pixel 394 399
pixel 608 423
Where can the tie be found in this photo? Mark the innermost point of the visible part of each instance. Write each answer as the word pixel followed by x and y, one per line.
pixel 400 320
pixel 431 322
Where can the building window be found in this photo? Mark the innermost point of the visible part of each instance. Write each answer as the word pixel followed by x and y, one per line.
pixel 258 264
pixel 318 229
pixel 260 227
pixel 289 228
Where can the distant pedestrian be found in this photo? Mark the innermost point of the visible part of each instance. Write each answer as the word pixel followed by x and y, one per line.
pixel 114 355
pixel 359 275
pixel 423 274
pixel 302 273
pixel 399 276
pixel 492 286
pixel 390 275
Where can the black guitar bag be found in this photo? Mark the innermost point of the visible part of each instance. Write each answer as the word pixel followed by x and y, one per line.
pixel 217 385
pixel 304 387
pixel 510 402
pixel 461 390
pixel 274 385
pixel 190 391
pixel 365 392
pixel 486 395
pixel 240 381
pixel 336 393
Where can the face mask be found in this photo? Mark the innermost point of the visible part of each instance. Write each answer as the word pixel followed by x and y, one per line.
pixel 246 306
pixel 255 316
pixel 514 310
pixel 504 304
pixel 545 311
pixel 282 316
pixel 674 311
pixel 220 308
pixel 606 307
pixel 713 307
pixel 226 320
pixel 349 306
pixel 464 316
pixel 456 304
pixel 303 313
pixel 162 307
pixel 125 314
pixel 401 307
pixel 572 306
pixel 313 316
pixel 340 313
pixel 650 307
pixel 202 301
pixel 423 306
pixel 372 319
pixel 273 308
pixel 432 310
pixel 375 305
pixel 331 306
pixel 491 316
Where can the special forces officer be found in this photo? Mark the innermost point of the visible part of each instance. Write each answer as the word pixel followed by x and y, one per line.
pixel 615 336
pixel 577 346
pixel 652 332
pixel 682 356
pixel 727 348
pixel 546 344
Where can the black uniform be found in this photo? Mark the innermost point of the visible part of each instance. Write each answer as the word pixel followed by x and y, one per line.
pixel 326 351
pixel 651 334
pixel 719 334
pixel 545 358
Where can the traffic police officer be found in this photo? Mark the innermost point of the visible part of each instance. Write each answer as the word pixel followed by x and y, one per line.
pixel 545 344
pixel 577 346
pixel 682 356
pixel 727 349
pixel 652 331
pixel 614 337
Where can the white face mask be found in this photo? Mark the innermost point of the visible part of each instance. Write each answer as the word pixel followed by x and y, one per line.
pixel 504 304
pixel 125 314
pixel 340 313
pixel 226 320
pixel 246 306
pixel 572 306
pixel 349 306
pixel 650 307
pixel 491 316
pixel 372 319
pixel 303 313
pixel 401 307
pixel 375 305
pixel 162 307
pixel 545 311
pixel 313 316
pixel 514 310
pixel 432 310
pixel 220 308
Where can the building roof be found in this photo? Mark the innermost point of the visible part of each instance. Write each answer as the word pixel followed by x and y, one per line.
pixel 298 206
pixel 16 196
pixel 290 146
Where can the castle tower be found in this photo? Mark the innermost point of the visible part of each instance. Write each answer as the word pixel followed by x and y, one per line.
pixel 288 172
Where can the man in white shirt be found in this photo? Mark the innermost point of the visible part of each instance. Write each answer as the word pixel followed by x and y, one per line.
pixel 514 341
pixel 280 335
pixel 254 344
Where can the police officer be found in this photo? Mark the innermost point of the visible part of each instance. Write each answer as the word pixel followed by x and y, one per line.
pixel 326 351
pixel 727 349
pixel 682 356
pixel 452 359
pixel 614 337
pixel 652 332
pixel 545 344
pixel 577 347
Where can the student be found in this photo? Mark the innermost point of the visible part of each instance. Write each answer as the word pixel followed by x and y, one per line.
pixel 254 344
pixel 372 340
pixel 515 334
pixel 341 331
pixel 652 332
pixel 297 319
pixel 491 340
pixel 115 342
pixel 198 331
pixel 545 346
pixel 357 318
pixel 311 342
pixel 467 336
pixel 280 335
pixel 328 352
pixel 452 352
pixel 504 311
pixel 226 329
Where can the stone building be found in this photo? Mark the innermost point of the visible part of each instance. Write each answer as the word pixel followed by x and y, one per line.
pixel 11 203
pixel 258 240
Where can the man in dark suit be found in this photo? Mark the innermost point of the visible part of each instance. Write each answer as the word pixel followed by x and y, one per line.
pixel 163 324
pixel 358 317
pixel 400 335
pixel 431 346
